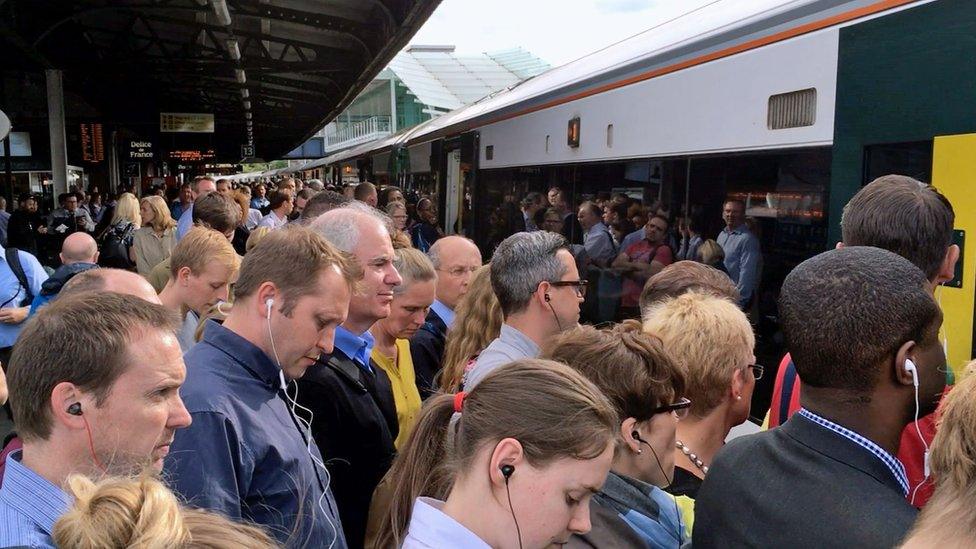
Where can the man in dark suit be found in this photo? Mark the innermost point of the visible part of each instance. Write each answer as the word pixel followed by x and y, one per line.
pixel 354 419
pixel 456 259
pixel 863 329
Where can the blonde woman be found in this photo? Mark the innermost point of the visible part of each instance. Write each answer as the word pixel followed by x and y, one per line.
pixel 154 242
pixel 711 254
pixel 477 323
pixel 142 512
pixel 115 242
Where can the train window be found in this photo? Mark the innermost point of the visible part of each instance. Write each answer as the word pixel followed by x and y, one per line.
pixel 794 109
pixel 609 136
pixel 490 152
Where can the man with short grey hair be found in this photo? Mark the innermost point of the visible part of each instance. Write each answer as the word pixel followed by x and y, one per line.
pixel 539 290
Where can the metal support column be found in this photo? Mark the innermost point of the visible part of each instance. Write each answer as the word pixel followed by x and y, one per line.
pixel 393 106
pixel 55 115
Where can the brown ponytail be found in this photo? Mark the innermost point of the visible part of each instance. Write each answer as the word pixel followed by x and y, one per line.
pixel 551 409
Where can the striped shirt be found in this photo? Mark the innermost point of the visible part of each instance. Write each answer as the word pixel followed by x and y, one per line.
pixel 890 461
pixel 29 506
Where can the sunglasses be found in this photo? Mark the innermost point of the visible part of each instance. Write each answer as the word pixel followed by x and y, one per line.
pixel 680 408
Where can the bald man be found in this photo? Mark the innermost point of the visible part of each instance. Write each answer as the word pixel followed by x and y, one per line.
pixel 112 280
pixel 456 259
pixel 79 253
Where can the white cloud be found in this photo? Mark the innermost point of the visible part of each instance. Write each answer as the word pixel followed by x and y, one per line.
pixel 624 5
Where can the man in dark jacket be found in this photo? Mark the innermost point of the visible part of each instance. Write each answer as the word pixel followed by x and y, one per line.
pixel 350 397
pixel 456 259
pixel 79 253
pixel 25 226
pixel 863 329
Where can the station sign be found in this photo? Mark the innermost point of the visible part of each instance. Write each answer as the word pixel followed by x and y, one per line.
pixel 186 122
pixel 193 155
pixel 247 151
pixel 140 150
pixel 92 143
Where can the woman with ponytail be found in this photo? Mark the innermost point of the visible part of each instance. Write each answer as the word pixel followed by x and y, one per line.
pixel 515 462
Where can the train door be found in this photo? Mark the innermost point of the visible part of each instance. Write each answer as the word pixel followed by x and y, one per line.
pixel 954 174
pixel 452 203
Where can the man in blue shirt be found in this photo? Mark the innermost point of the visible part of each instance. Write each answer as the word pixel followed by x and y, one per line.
pixel 742 253
pixel 355 420
pixel 201 186
pixel 14 308
pixel 247 455
pixel 110 408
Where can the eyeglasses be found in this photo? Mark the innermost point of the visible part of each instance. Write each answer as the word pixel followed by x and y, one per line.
pixel 757 370
pixel 578 285
pixel 680 408
pixel 458 272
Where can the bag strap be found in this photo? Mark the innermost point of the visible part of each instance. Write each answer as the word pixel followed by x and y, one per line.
pixel 13 261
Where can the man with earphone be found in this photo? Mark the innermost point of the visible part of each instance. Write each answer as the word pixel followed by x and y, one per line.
pixel 863 331
pixel 249 453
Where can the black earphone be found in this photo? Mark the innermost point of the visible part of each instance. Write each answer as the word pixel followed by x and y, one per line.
pixel 75 409
pixel 507 471
pixel 677 511
pixel 547 298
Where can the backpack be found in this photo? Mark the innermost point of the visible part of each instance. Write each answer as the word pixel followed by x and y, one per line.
pixel 114 247
pixel 13 261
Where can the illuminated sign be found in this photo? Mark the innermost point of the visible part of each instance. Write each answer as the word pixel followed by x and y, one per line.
pixel 92 143
pixel 140 149
pixel 186 122
pixel 192 155
pixel 573 133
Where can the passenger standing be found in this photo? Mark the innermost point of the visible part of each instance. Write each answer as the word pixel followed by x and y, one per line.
pixel 863 330
pixel 201 186
pixel 391 352
pixel 350 396
pixel 79 253
pixel 154 241
pixel 366 193
pixel 640 261
pixel 259 201
pixel 21 278
pixel 181 204
pixel 597 240
pixel 425 231
pixel 25 226
pixel 94 386
pixel 281 203
pixel 690 239
pixel 115 242
pixel 539 290
pixel 4 220
pixel 456 259
pixel 571 228
pixel 69 218
pixel 742 253
pixel 478 321
pixel 531 205
pixel 247 455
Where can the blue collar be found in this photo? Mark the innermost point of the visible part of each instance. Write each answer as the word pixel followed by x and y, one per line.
pixel 243 352
pixel 741 229
pixel 890 461
pixel 32 495
pixel 443 311
pixel 356 347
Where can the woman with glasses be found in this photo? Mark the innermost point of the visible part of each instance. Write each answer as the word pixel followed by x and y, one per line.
pixel 646 387
pixel 712 342
pixel 397 211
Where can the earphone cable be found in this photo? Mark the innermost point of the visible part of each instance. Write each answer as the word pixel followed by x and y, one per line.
pixel 674 498
pixel 518 530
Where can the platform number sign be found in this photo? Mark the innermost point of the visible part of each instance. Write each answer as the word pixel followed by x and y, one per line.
pixel 247 151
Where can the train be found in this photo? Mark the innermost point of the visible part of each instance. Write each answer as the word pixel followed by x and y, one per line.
pixel 790 106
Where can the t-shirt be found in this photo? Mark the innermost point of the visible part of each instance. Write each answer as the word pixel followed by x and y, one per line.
pixel 642 252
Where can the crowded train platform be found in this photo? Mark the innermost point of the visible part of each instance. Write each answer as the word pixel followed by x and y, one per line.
pixel 520 317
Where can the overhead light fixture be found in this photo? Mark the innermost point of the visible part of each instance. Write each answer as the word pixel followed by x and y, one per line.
pixel 244 93
pixel 241 77
pixel 247 115
pixel 221 11
pixel 247 105
pixel 234 49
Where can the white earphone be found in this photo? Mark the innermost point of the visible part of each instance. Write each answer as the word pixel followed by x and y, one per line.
pixel 912 369
pixel 270 303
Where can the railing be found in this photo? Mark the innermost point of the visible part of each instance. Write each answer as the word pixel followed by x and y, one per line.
pixel 360 132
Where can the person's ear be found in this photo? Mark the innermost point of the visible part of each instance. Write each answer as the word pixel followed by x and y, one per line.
pixel 508 452
pixel 839 246
pixel 63 396
pixel 543 292
pixel 903 376
pixel 947 270
pixel 183 275
pixel 627 428
pixel 738 384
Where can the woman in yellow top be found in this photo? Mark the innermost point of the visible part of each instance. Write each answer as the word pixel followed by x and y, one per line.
pixel 391 351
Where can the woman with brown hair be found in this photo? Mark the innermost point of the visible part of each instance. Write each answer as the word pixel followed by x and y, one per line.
pixel 142 512
pixel 154 241
pixel 477 323
pixel 645 386
pixel 515 461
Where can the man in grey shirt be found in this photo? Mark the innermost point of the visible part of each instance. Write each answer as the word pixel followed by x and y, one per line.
pixel 539 291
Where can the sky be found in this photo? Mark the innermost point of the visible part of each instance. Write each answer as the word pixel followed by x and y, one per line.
pixel 557 31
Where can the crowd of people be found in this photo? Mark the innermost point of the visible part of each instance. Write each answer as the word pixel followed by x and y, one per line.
pixel 292 367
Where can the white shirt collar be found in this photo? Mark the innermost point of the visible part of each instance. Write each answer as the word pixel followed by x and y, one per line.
pixel 430 527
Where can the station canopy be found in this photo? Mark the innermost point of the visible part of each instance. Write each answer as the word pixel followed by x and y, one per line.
pixel 271 71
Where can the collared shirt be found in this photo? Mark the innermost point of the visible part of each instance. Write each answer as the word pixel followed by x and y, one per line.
pixel 185 222
pixel 176 209
pixel 260 202
pixel 188 331
pixel 510 345
pixel 431 528
pixel 273 221
pixel 11 293
pixel 598 243
pixel 443 311
pixel 742 256
pixel 245 455
pixel 529 222
pixel 890 461
pixel 403 381
pixel 29 506
pixel 356 347
pixel 253 219
pixel 632 238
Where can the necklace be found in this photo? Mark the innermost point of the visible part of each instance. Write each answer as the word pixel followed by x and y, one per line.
pixel 695 460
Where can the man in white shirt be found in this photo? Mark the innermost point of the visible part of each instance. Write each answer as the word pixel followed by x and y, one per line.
pixel 282 204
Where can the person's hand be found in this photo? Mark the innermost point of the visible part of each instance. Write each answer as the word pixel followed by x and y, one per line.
pixel 42 229
pixel 14 315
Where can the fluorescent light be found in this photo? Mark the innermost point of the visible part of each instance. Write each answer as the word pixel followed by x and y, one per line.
pixel 247 115
pixel 241 77
pixel 244 93
pixel 221 11
pixel 233 49
pixel 247 105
